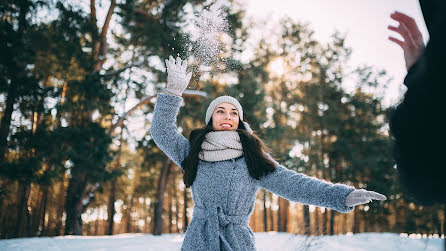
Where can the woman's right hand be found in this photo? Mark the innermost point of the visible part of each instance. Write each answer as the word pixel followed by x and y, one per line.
pixel 177 79
pixel 413 44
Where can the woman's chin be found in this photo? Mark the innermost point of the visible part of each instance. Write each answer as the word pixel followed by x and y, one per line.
pixel 226 129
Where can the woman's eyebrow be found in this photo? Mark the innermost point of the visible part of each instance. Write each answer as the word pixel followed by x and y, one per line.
pixel 221 107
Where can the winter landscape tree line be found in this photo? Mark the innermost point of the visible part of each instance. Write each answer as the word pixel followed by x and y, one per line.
pixel 78 83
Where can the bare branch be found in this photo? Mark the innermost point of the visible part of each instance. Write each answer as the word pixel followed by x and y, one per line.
pixel 115 72
pixel 195 93
pixel 91 195
pixel 129 112
pixel 93 12
pixel 103 38
pixel 107 20
pixel 186 93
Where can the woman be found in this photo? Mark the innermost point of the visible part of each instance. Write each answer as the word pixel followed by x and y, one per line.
pixel 225 164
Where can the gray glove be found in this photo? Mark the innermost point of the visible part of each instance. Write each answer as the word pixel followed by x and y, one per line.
pixel 362 196
pixel 177 79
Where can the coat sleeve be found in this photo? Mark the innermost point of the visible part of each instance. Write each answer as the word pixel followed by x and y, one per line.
pixel 164 129
pixel 301 188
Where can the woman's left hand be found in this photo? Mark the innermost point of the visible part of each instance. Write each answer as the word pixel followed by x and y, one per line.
pixel 362 196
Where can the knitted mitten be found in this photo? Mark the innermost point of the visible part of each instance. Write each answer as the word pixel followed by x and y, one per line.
pixel 362 196
pixel 177 79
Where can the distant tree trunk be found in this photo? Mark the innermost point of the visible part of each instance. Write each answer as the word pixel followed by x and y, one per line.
pixel 73 206
pixel 111 206
pixel 111 201
pixel 170 211
pixel 307 220
pixel 279 216
pixel 177 205
pixel 162 184
pixel 282 217
pixel 170 201
pixel 332 218
pixel 265 215
pixel 357 220
pixel 325 222
pixel 60 206
pixel 22 210
pixel 271 216
pixel 6 118
pixel 129 217
pixel 317 221
pixel 96 224
pixel 42 226
pixel 186 220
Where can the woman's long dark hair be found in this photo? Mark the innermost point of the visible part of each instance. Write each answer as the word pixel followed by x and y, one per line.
pixel 254 151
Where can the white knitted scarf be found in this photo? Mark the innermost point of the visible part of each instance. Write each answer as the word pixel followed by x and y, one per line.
pixel 221 145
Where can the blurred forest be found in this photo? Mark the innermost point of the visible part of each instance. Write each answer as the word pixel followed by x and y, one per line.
pixel 77 78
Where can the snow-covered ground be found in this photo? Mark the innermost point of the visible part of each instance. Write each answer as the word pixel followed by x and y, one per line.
pixel 264 241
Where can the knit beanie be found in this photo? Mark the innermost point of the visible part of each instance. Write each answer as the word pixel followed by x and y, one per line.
pixel 223 99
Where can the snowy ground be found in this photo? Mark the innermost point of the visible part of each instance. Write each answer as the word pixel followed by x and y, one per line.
pixel 264 241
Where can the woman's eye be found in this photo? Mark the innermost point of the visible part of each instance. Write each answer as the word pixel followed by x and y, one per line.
pixel 219 111
pixel 234 113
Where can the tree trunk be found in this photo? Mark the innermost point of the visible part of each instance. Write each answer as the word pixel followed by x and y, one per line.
pixel 177 206
pixel 186 220
pixel 6 119
pixel 271 216
pixel 60 206
pixel 129 216
pixel 96 225
pixel 279 216
pixel 22 210
pixel 332 218
pixel 357 220
pixel 282 217
pixel 265 213
pixel 170 202
pixel 162 184
pixel 307 220
pixel 42 225
pixel 170 212
pixel 325 222
pixel 111 205
pixel 317 221
pixel 73 206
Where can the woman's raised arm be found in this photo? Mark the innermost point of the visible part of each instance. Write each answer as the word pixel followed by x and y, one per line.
pixel 164 129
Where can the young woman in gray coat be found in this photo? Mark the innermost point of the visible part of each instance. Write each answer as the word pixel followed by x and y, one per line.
pixel 225 164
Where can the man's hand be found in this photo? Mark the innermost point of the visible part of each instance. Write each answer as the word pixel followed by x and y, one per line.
pixel 413 44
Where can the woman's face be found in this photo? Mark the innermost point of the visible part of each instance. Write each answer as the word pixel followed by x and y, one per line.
pixel 225 117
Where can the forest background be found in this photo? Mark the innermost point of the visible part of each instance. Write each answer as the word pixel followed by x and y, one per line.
pixel 78 84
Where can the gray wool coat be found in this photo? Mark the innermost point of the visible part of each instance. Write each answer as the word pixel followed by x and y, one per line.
pixel 224 193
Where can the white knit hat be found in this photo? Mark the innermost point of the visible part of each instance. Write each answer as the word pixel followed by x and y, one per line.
pixel 223 99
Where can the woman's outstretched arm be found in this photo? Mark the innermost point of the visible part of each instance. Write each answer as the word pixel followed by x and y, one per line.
pixel 301 188
pixel 164 129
